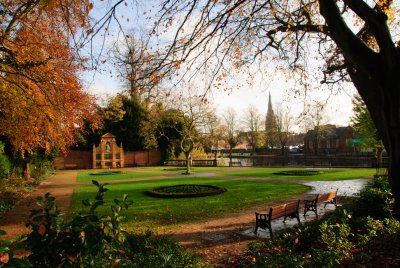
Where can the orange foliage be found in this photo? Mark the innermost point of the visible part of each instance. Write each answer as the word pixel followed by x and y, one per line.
pixel 42 102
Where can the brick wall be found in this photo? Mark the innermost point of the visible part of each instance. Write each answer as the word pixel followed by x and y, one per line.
pixel 83 159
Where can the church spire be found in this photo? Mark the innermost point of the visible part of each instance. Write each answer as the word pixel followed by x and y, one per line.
pixel 270 125
pixel 270 120
pixel 270 110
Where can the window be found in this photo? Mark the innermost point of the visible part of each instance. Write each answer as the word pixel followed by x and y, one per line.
pixel 310 144
pixel 328 144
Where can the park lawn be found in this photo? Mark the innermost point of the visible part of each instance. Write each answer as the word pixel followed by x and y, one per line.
pixel 331 174
pixel 106 175
pixel 151 213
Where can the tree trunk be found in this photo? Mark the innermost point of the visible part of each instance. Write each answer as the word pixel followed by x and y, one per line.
pixel 188 160
pixel 27 171
pixel 376 75
pixel 230 155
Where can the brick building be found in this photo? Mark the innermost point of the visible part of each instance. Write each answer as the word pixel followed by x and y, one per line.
pixel 330 139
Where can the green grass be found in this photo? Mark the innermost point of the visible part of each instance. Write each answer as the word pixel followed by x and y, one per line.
pixel 332 174
pixel 89 175
pixel 150 212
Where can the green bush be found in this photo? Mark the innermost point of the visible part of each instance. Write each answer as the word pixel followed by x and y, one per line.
pixel 8 248
pixel 5 166
pixel 349 237
pixel 5 206
pixel 375 200
pixel 156 251
pixel 89 240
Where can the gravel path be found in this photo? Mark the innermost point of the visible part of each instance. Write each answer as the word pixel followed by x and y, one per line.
pixel 346 188
pixel 60 185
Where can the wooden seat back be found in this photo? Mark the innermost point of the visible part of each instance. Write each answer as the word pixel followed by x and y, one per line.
pixel 292 207
pixel 277 212
pixel 327 196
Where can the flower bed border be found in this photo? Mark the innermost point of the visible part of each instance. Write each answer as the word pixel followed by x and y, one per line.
pixel 299 172
pixel 216 190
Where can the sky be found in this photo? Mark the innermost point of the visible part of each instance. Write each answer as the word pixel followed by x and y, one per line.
pixel 338 110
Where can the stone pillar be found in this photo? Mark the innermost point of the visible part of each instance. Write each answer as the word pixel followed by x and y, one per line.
pixel 113 163
pixel 102 150
pixel 94 157
pixel 121 155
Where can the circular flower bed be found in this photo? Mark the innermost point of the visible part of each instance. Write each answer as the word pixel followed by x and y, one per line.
pixel 299 172
pixel 186 190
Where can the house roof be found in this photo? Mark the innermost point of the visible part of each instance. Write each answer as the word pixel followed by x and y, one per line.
pixel 108 135
pixel 332 131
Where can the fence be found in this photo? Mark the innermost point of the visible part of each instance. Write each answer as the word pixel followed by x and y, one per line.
pixel 311 161
pixel 195 163
pixel 287 160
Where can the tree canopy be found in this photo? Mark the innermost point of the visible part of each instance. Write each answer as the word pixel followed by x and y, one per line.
pixel 356 39
pixel 42 101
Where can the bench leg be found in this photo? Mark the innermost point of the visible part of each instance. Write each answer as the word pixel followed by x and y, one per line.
pixel 263 224
pixel 333 201
pixel 295 215
pixel 271 233
pixel 310 206
pixel 255 230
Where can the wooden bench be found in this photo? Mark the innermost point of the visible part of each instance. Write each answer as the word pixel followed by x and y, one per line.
pixel 263 220
pixel 327 198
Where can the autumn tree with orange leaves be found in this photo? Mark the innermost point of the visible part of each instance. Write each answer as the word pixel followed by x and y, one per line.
pixel 42 102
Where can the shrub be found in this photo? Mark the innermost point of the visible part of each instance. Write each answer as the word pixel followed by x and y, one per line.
pixel 5 166
pixel 7 250
pixel 327 242
pixel 89 240
pixel 375 200
pixel 340 239
pixel 156 251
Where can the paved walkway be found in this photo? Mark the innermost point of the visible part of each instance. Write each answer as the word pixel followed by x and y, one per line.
pixel 60 185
